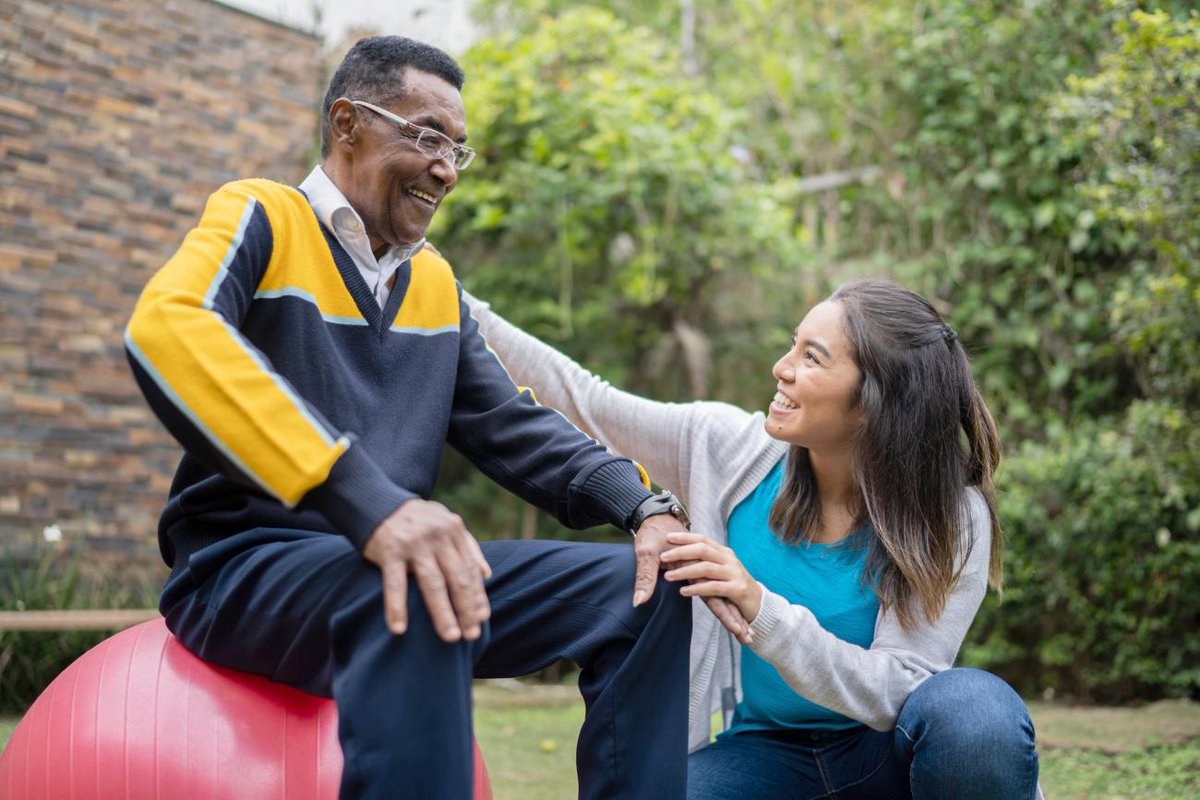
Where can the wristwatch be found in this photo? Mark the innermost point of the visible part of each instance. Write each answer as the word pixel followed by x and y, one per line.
pixel 661 503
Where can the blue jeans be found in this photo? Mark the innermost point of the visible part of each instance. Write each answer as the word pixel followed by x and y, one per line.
pixel 306 609
pixel 963 733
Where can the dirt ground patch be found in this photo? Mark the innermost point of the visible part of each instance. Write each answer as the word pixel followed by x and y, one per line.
pixel 1115 730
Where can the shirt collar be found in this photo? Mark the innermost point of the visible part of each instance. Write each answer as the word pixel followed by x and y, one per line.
pixel 332 207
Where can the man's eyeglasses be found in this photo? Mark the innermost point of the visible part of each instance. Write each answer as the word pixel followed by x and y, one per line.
pixel 429 142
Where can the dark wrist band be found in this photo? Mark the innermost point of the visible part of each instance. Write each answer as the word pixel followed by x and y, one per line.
pixel 662 503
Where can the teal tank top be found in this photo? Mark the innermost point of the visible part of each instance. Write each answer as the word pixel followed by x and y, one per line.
pixel 825 578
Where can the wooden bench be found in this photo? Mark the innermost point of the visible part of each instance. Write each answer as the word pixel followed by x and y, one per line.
pixel 102 619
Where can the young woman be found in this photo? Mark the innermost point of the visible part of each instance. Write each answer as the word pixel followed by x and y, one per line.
pixel 854 528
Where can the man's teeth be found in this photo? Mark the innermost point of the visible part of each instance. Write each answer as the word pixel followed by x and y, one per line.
pixel 428 198
pixel 782 401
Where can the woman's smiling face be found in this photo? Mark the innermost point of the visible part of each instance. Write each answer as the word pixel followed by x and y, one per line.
pixel 816 382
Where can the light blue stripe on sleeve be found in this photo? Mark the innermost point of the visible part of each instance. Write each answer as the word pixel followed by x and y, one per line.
pixel 230 253
pixel 184 409
pixel 300 405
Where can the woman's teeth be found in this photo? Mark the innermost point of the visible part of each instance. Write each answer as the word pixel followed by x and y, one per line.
pixel 782 401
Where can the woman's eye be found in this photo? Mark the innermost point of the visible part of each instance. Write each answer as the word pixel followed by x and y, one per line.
pixel 808 356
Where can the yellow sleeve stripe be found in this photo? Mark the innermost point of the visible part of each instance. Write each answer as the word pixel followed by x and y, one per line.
pixel 213 376
pixel 239 235
pixel 645 475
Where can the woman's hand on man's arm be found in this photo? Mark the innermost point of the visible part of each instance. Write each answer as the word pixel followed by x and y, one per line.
pixel 712 571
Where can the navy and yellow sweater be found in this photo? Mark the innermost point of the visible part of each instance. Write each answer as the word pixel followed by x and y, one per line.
pixel 301 404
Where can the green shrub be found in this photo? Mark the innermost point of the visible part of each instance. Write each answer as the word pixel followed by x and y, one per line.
pixel 1103 526
pixel 1139 119
pixel 52 578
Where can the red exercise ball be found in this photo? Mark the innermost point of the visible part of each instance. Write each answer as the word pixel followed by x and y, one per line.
pixel 138 717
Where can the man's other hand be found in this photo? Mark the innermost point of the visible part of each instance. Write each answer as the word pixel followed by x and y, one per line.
pixel 429 540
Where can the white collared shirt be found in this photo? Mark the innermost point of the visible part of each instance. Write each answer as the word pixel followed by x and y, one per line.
pixel 336 214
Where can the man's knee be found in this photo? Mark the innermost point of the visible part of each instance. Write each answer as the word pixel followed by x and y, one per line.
pixel 621 570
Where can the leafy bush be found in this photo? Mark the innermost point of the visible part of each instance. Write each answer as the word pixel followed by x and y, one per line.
pixel 1105 516
pixel 52 578
pixel 1103 526
pixel 1139 117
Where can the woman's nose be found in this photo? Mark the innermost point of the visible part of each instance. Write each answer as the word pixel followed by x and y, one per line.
pixel 783 371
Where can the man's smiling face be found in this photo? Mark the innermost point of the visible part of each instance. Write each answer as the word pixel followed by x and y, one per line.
pixel 392 185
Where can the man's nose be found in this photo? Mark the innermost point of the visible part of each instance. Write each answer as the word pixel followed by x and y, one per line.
pixel 444 170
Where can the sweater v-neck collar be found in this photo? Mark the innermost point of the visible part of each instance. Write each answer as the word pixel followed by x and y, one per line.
pixel 380 319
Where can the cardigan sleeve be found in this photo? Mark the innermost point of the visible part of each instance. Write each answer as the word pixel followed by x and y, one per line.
pixel 655 434
pixel 533 450
pixel 871 684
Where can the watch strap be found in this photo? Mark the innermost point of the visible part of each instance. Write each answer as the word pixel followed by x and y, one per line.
pixel 661 503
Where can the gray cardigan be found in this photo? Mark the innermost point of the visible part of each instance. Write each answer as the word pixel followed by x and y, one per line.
pixel 712 455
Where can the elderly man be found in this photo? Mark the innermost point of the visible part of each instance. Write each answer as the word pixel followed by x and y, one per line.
pixel 313 357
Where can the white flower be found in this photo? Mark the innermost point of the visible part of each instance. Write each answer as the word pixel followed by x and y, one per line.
pixel 52 533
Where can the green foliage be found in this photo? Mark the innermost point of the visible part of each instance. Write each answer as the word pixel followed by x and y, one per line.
pixel 1105 519
pixel 52 578
pixel 610 214
pixel 608 200
pixel 1139 118
pixel 984 199
pixel 1103 527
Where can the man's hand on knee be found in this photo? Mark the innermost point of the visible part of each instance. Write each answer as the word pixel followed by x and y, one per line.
pixel 429 540
pixel 651 542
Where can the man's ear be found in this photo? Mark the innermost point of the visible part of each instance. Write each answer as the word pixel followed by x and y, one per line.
pixel 343 123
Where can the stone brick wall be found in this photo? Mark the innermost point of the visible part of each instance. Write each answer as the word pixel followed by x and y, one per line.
pixel 117 119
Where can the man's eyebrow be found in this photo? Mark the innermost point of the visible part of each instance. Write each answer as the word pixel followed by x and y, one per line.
pixel 434 124
pixel 816 345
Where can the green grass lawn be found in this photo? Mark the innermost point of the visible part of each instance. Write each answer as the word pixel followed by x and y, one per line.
pixel 527 734
pixel 6 728
pixel 1146 753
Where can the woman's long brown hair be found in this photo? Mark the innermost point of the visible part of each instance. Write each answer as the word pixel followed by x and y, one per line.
pixel 925 437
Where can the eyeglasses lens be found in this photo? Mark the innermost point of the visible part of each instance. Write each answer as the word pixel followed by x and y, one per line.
pixel 434 146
